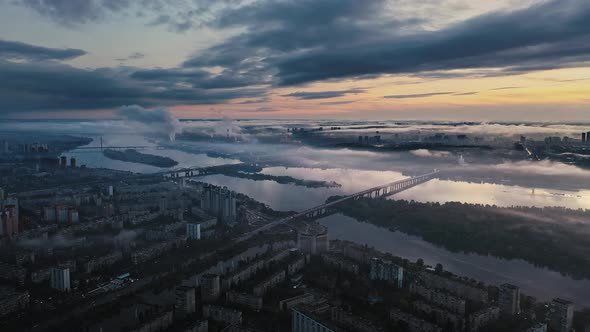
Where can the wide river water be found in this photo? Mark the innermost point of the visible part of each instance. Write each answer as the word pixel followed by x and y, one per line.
pixel 539 282
pixel 291 197
pixel 95 158
pixel 535 281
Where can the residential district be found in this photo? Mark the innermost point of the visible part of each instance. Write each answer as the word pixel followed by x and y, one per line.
pixel 98 250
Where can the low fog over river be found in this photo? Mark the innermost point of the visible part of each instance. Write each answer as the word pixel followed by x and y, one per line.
pixel 489 180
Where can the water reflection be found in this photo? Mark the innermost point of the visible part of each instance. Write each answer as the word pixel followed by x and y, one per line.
pixel 352 180
pixel 290 197
pixel 495 194
pixel 538 282
pixel 283 197
pixel 95 158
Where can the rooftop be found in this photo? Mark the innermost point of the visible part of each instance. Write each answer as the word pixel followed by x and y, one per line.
pixel 562 301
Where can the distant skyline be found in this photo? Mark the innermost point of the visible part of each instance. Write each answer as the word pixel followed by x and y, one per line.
pixel 502 60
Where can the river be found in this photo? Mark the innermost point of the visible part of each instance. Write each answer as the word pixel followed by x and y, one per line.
pixel 291 197
pixel 539 282
pixel 535 281
pixel 95 158
pixel 353 179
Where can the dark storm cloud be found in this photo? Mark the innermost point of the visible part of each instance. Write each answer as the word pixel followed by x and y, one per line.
pixel 52 86
pixel 177 15
pixel 297 13
pixel 307 41
pixel 71 12
pixel 419 95
pixel 200 78
pixel 11 50
pixel 287 43
pixel 295 25
pixel 550 35
pixel 174 23
pixel 172 75
pixel 323 94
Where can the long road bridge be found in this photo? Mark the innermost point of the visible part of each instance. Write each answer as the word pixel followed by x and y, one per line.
pixel 189 172
pixel 325 209
pixel 126 147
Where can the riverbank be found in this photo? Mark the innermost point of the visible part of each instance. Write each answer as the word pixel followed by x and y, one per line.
pixel 133 156
pixel 531 234
pixel 533 280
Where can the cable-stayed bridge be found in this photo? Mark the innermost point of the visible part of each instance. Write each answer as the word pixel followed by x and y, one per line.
pixel 326 209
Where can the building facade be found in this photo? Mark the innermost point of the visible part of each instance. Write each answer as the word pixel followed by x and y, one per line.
pixel 481 318
pixel 185 301
pixel 193 231
pixel 509 300
pixel 313 240
pixel 303 321
pixel 243 299
pixel 268 283
pixel 561 315
pixel 210 287
pixel 60 279
pixel 220 202
pixel 414 324
pixel 442 299
pixel 387 271
pixel 222 314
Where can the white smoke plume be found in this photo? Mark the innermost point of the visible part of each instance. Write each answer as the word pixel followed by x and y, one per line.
pixel 226 127
pixel 428 153
pixel 159 120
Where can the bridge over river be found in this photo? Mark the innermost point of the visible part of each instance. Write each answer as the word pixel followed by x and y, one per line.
pixel 325 209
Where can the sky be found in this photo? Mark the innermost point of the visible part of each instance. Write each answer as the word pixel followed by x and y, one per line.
pixel 495 60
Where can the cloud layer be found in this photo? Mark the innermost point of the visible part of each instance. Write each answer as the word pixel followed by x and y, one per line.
pixel 17 51
pixel 38 82
pixel 270 44
pixel 323 94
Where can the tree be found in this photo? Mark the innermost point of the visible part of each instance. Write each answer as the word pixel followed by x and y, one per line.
pixel 438 268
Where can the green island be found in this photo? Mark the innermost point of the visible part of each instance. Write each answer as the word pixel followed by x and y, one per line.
pixel 555 238
pixel 252 172
pixel 133 156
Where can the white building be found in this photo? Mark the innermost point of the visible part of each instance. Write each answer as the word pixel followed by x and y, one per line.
pixel 388 271
pixel 193 231
pixel 60 279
